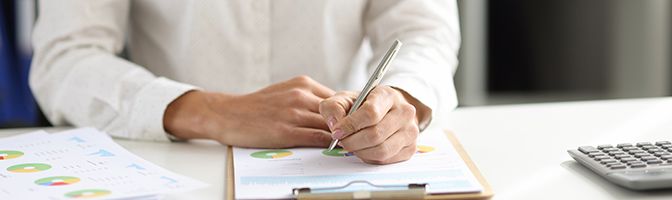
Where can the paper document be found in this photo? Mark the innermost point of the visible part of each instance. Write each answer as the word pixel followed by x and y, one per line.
pixel 78 164
pixel 273 173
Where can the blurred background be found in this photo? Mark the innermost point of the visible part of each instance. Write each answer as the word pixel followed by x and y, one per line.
pixel 513 51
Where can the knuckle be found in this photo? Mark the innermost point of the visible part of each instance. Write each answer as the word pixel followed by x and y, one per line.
pixel 374 136
pixel 370 112
pixel 303 80
pixel 408 109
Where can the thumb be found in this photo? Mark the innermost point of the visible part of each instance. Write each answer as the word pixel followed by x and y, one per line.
pixel 334 108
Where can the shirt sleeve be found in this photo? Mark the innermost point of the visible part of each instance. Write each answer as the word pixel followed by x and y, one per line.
pixel 78 80
pixel 424 67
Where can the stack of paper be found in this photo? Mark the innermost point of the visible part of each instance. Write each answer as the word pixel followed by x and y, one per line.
pixel 81 163
pixel 273 173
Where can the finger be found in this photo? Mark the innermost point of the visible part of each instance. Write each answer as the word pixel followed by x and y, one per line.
pixel 334 108
pixel 375 135
pixel 386 150
pixel 311 102
pixel 377 105
pixel 406 153
pixel 309 119
pixel 308 137
pixel 312 85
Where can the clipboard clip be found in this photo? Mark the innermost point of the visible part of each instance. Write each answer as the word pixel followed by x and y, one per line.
pixel 360 190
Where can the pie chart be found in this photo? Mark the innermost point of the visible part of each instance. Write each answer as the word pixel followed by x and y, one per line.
pixel 7 154
pixel 337 152
pixel 88 193
pixel 29 168
pixel 425 149
pixel 271 154
pixel 57 180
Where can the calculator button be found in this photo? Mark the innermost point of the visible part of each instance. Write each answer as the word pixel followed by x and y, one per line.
pixel 638 165
pixel 596 154
pixel 614 153
pixel 647 158
pixel 635 151
pixel 654 161
pixel 624 145
pixel 628 159
pixel 610 149
pixel 641 144
pixel 598 158
pixel 619 156
pixel 666 157
pixel 629 148
pixel 619 166
pixel 587 149
pixel 607 161
pixel 600 147
pixel 661 143
pixel 649 147
pixel 639 155
pixel 662 153
pixel 666 146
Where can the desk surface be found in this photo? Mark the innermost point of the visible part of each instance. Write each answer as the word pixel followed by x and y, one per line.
pixel 520 149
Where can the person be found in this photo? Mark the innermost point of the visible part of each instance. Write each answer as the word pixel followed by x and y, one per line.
pixel 248 73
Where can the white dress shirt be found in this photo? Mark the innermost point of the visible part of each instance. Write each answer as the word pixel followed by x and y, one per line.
pixel 231 46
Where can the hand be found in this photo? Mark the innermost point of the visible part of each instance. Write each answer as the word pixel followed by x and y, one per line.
pixel 279 116
pixel 384 128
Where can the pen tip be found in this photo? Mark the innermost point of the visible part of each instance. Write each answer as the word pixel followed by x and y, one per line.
pixel 332 145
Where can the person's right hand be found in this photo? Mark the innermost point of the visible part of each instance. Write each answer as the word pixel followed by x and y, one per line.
pixel 279 116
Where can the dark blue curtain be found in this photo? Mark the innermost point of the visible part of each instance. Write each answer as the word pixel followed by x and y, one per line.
pixel 17 106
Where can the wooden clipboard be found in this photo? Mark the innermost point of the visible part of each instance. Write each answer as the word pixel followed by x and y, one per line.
pixel 487 192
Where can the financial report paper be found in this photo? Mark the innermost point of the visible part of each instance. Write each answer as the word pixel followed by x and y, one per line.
pixel 80 164
pixel 273 173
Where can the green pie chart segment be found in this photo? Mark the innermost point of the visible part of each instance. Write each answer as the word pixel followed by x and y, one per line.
pixel 88 193
pixel 337 152
pixel 9 154
pixel 29 168
pixel 271 154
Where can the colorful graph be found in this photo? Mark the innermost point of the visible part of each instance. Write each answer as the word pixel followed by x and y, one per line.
pixel 8 154
pixel 57 180
pixel 88 193
pixel 29 168
pixel 337 152
pixel 425 149
pixel 271 154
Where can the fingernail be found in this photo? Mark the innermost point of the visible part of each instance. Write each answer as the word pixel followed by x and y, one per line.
pixel 330 122
pixel 338 133
pixel 340 144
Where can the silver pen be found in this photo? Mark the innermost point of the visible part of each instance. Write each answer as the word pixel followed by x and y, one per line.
pixel 373 81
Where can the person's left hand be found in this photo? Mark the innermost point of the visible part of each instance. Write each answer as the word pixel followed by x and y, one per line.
pixel 384 128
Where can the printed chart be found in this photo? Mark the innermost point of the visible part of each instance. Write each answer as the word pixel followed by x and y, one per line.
pixel 271 154
pixel 57 180
pixel 87 193
pixel 425 149
pixel 8 154
pixel 29 168
pixel 81 164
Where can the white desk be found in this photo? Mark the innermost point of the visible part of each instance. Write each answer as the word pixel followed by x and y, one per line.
pixel 520 149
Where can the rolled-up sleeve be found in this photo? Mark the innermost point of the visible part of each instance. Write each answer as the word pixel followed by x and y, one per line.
pixel 425 65
pixel 78 79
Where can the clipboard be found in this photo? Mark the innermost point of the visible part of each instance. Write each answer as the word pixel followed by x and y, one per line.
pixel 485 194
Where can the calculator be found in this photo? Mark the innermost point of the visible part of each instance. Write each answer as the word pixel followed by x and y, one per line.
pixel 640 166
